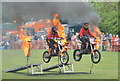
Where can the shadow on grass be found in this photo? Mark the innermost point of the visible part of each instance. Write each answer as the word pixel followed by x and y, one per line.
pixel 47 74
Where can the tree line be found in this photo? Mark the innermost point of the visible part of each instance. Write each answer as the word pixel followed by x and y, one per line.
pixel 108 12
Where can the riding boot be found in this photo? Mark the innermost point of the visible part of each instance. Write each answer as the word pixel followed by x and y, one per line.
pixel 59 53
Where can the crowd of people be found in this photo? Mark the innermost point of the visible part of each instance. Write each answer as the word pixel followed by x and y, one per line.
pixel 12 41
pixel 108 42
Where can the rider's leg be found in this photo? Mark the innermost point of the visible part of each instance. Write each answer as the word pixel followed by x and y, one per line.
pixel 49 51
pixel 59 52
pixel 94 53
pixel 87 45
pixel 55 45
pixel 87 42
pixel 83 43
pixel 50 46
pixel 83 46
pixel 56 48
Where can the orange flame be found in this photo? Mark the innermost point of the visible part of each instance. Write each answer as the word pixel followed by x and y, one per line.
pixel 48 24
pixel 60 27
pixel 39 24
pixel 26 44
pixel 97 33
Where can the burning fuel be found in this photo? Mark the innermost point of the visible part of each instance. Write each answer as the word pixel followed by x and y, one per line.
pixel 26 42
pixel 60 27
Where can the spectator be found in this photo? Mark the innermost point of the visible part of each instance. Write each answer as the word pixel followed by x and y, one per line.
pixel 110 38
pixel 116 43
pixel 6 44
pixel 69 39
pixel 113 43
pixel 110 42
pixel 36 37
pixel 36 41
pixel 107 45
pixel 116 40
pixel 43 37
pixel 103 38
pixel 73 41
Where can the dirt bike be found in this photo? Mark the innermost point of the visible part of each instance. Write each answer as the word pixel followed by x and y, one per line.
pixel 63 56
pixel 95 54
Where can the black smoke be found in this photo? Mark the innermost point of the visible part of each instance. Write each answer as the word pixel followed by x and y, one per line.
pixel 72 12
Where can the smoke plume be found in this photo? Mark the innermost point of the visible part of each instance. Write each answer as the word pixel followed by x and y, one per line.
pixel 73 12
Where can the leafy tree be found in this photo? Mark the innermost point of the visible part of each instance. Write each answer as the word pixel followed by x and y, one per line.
pixel 108 12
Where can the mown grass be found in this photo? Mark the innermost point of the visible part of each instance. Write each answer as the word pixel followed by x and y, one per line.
pixel 106 69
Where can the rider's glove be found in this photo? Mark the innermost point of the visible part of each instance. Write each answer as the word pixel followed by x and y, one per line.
pixel 51 38
pixel 94 37
pixel 62 38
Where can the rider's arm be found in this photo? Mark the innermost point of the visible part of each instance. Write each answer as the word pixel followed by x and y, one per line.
pixel 81 32
pixel 58 35
pixel 49 35
pixel 90 33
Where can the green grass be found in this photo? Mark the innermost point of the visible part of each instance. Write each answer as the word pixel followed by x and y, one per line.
pixel 106 69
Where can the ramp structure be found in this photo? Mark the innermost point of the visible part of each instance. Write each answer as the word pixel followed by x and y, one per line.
pixel 40 70
pixel 61 66
pixel 38 65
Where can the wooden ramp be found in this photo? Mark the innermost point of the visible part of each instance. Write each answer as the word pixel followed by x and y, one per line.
pixel 22 67
pixel 40 70
pixel 55 66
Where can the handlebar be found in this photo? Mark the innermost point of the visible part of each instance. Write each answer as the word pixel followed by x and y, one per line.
pixel 84 37
pixel 87 37
pixel 58 38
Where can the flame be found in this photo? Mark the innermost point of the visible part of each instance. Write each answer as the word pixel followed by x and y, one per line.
pixel 47 23
pixel 60 27
pixel 26 44
pixel 97 34
pixel 39 24
pixel 96 31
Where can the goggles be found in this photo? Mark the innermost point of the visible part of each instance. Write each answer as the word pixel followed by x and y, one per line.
pixel 87 26
pixel 55 29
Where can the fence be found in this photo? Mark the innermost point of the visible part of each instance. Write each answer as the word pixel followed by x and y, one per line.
pixel 42 44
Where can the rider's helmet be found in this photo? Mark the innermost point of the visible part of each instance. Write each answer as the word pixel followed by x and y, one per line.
pixel 86 25
pixel 54 30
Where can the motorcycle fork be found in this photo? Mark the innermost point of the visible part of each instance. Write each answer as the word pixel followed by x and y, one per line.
pixel 92 48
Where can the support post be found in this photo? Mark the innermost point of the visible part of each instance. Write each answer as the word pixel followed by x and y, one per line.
pixel 70 66
pixel 39 69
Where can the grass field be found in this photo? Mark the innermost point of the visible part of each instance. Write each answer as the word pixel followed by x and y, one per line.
pixel 106 69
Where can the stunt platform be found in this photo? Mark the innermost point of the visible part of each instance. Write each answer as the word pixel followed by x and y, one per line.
pixel 39 70
pixel 22 67
pixel 61 67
